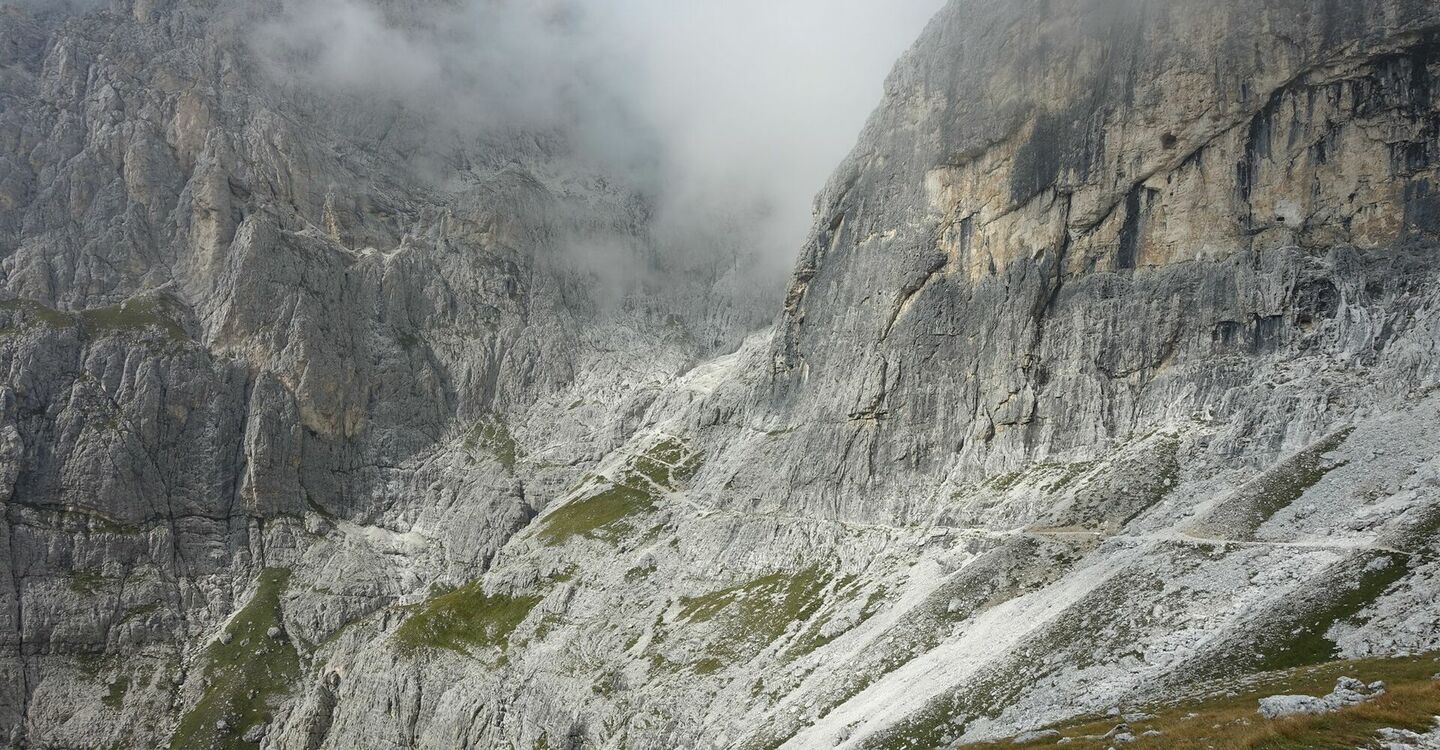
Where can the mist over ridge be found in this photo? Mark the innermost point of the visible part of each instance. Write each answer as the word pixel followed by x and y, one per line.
pixel 680 99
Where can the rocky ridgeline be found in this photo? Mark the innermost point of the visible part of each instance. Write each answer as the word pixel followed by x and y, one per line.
pixel 1111 367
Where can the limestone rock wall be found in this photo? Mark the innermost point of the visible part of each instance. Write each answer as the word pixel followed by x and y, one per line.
pixel 1111 363
pixel 1069 221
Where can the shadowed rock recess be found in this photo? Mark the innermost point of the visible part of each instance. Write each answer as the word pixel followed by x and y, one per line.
pixel 1110 368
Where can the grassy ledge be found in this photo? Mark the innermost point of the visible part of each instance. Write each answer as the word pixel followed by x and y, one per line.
pixel 813 638
pixel 493 436
pixel 464 620
pixel 135 315
pixel 751 616
pixel 38 313
pixel 243 677
pixel 600 516
pixel 86 582
pixel 1305 642
pixel 115 695
pixel 1294 478
pixel 1275 490
pixel 607 515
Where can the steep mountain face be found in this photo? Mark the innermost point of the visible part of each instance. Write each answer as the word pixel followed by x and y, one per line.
pixel 243 319
pixel 1098 217
pixel 1111 367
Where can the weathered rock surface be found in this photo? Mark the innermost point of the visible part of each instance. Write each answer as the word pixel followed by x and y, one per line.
pixel 1404 739
pixel 1348 692
pixel 1112 366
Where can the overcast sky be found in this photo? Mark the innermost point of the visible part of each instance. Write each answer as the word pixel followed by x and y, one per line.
pixel 766 95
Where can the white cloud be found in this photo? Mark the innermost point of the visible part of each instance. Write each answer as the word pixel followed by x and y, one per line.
pixel 761 99
pixel 735 110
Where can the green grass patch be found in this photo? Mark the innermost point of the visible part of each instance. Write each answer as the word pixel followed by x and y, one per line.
pixel 1006 680
pixel 708 666
pixel 1419 531
pixel 93 663
pixel 1165 476
pixel 491 435
pixel 599 516
pixel 41 314
pixel 1005 482
pixel 465 620
pixel 86 582
pixel 813 637
pixel 1307 643
pixel 1070 474
pixel 115 696
pixel 608 685
pixel 609 513
pixel 668 465
pixel 992 579
pixel 1229 719
pixel 245 677
pixel 640 572
pixel 1274 491
pixel 564 576
pixel 1133 484
pixel 1292 479
pixel 751 616
pixel 931 728
pixel 547 625
pixel 133 315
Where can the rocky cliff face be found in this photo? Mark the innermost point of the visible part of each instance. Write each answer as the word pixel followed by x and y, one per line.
pixel 1112 366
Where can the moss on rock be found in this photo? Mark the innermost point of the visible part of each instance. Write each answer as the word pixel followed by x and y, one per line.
pixel 246 672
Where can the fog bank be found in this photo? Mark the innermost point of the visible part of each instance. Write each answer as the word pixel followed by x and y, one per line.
pixel 733 111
